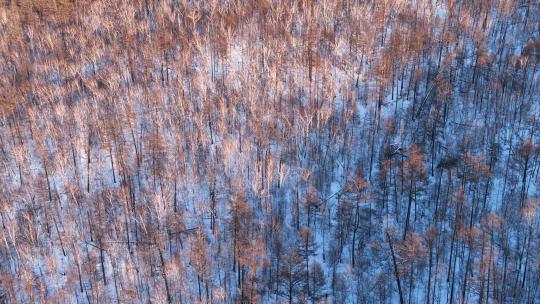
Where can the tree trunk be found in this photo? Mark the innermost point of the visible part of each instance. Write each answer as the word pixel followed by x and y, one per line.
pixel 396 272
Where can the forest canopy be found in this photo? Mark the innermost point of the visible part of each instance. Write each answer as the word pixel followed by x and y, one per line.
pixel 272 151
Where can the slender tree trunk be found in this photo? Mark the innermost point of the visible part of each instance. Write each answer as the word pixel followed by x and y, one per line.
pixel 396 272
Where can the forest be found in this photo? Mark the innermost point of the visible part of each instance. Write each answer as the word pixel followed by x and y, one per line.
pixel 270 151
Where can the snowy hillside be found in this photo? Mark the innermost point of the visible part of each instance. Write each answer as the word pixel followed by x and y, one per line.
pixel 270 151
